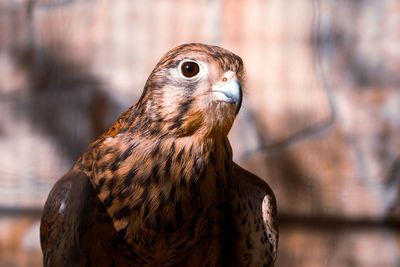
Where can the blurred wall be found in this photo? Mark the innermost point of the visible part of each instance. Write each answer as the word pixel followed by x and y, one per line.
pixel 321 117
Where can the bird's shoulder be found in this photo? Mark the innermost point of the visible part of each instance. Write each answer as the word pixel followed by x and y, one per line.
pixel 252 220
pixel 60 219
pixel 76 229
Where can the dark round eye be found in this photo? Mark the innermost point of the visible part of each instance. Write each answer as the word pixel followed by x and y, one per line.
pixel 190 69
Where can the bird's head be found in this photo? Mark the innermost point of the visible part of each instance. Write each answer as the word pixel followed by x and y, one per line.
pixel 194 88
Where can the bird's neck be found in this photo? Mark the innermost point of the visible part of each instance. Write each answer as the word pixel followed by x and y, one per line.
pixel 145 122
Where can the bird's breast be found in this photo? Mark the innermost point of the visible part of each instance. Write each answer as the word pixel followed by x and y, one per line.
pixel 163 197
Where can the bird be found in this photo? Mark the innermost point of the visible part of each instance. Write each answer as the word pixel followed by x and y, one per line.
pixel 160 187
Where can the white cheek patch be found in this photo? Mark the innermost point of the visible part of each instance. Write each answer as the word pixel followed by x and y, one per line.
pixel 170 99
pixel 206 102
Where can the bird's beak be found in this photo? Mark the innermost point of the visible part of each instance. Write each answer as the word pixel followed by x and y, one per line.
pixel 229 92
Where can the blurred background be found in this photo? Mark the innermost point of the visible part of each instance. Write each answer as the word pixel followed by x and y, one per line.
pixel 320 123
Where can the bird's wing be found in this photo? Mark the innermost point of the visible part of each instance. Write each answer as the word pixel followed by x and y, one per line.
pixel 61 220
pixel 251 221
pixel 76 230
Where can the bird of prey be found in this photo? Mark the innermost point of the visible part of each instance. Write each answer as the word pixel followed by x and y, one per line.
pixel 160 188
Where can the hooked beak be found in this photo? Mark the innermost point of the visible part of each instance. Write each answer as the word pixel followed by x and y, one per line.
pixel 230 92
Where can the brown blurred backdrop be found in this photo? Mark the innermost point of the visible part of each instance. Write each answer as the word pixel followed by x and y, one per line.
pixel 321 117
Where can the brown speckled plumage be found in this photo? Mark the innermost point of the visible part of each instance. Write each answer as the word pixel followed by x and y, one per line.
pixel 160 187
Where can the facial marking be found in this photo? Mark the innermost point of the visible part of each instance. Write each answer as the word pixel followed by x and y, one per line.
pixel 187 100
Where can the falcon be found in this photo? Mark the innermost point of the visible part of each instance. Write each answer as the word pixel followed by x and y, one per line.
pixel 160 188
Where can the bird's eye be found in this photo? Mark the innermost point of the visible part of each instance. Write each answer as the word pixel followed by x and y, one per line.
pixel 190 69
